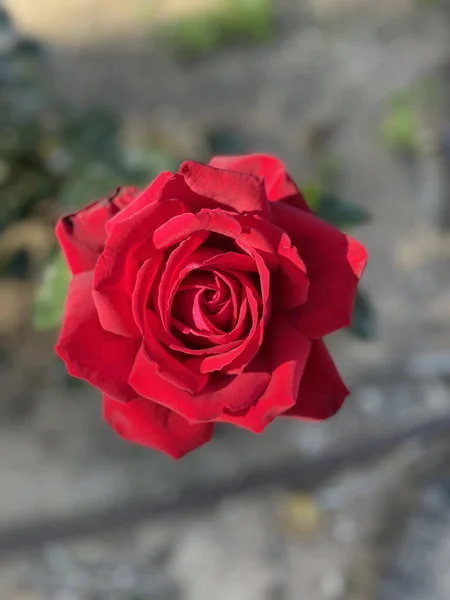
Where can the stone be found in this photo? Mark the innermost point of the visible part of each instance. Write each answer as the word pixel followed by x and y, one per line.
pixel 420 564
pixel 332 585
pixel 344 530
pixel 370 400
pixel 311 439
pixel 437 397
pixel 429 364
pixel 25 595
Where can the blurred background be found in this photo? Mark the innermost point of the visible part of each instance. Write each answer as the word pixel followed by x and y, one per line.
pixel 354 95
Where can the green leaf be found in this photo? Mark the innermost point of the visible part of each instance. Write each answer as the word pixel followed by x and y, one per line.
pixel 5 20
pixel 400 127
pixel 340 213
pixel 51 296
pixel 312 193
pixel 364 318
pixel 194 37
pixel 94 135
pixel 225 141
pixel 329 170
pixel 30 48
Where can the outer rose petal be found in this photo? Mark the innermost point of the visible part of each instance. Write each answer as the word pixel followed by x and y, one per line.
pixel 118 265
pixel 235 393
pixel 149 195
pixel 334 263
pixel 101 358
pixel 322 391
pixel 287 351
pixel 279 186
pixel 144 422
pixel 82 234
pixel 240 191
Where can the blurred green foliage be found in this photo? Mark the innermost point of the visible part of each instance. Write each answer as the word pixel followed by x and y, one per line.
pixel 401 128
pixel 329 170
pixel 408 116
pixel 48 152
pixel 364 320
pixel 200 34
pixel 25 122
pixel 51 297
pixel 225 141
pixel 339 212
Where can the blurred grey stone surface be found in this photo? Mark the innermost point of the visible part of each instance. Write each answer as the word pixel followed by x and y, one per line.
pixel 247 548
pixel 420 568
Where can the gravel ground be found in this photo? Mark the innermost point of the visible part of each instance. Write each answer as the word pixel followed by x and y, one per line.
pixel 361 533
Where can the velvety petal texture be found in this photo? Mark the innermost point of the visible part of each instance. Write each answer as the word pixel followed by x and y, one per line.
pixel 150 424
pixel 82 235
pixel 204 299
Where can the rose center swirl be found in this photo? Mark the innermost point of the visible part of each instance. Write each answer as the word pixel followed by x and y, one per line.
pixel 211 307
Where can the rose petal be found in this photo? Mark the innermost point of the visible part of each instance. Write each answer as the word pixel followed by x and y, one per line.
pixel 279 186
pixel 240 335
pixel 171 274
pixel 101 358
pixel 264 282
pixel 244 230
pixel 235 360
pixel 237 299
pixel 181 373
pixel 221 392
pixel 201 262
pixel 171 341
pixel 82 234
pixel 144 282
pixel 127 246
pixel 206 299
pixel 144 422
pixel 211 343
pixel 231 261
pixel 334 263
pixel 322 391
pixel 242 192
pixel 182 226
pixel 201 280
pixel 199 320
pixel 252 236
pixel 287 353
pixel 187 309
pixel 291 284
pixel 151 194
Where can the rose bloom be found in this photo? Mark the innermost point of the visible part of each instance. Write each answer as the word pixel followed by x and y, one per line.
pixel 204 300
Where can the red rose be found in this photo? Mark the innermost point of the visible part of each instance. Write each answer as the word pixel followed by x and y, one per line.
pixel 204 299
